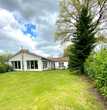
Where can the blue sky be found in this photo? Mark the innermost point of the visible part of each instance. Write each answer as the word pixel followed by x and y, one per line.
pixel 31 24
pixel 30 29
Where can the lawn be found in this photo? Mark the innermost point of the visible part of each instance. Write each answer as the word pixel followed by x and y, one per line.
pixel 48 90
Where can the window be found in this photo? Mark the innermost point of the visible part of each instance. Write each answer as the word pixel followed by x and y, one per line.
pixel 61 64
pixel 28 64
pixel 53 65
pixel 13 64
pixel 36 64
pixel 32 64
pixel 19 65
pixel 45 64
pixel 16 64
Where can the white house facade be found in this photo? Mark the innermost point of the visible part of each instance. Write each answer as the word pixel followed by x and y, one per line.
pixel 27 61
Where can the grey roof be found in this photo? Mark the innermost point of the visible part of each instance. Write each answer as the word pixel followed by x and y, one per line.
pixel 28 52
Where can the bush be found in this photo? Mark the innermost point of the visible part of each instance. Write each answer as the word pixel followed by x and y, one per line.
pixel 2 68
pixel 96 68
pixel 5 68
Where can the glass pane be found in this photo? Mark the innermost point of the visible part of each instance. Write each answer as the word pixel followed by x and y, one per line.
pixel 19 66
pixel 28 64
pixel 15 64
pixel 36 64
pixel 32 64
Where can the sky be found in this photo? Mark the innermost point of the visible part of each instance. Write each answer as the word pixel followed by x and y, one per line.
pixel 29 24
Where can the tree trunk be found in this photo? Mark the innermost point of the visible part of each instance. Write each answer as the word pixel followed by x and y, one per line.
pixel 82 68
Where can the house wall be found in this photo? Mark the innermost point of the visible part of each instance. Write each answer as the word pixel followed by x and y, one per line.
pixel 56 65
pixel 52 65
pixel 25 58
pixel 66 64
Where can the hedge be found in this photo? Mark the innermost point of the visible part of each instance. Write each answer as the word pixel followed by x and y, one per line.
pixel 96 68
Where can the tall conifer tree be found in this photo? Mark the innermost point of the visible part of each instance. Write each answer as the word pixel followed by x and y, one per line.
pixel 83 40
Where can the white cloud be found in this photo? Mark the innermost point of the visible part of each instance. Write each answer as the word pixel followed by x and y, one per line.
pixel 5 18
pixel 10 29
pixel 12 37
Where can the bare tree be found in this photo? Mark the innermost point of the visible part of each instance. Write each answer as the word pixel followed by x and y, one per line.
pixel 69 13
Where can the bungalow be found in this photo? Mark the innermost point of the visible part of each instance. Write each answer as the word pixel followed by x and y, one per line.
pixel 27 61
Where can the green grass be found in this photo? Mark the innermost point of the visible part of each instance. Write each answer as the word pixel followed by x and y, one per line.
pixel 48 90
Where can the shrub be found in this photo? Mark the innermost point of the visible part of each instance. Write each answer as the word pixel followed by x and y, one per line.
pixel 5 68
pixel 2 68
pixel 96 68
